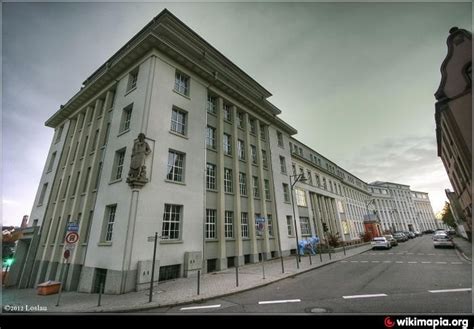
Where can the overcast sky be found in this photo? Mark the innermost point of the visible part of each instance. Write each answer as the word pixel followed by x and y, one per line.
pixel 355 79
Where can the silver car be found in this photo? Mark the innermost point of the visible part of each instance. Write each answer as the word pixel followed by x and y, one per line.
pixel 442 240
pixel 381 242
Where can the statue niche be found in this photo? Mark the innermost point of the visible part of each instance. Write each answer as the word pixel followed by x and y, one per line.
pixel 137 173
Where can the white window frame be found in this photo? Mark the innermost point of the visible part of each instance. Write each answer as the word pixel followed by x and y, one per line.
pixel 211 215
pixel 110 212
pixel 228 188
pixel 171 226
pixel 181 83
pixel 229 224
pixel 227 143
pixel 211 176
pixel 242 183
pixel 126 118
pixel 241 149
pixel 211 137
pixel 244 224
pixel 118 164
pixel 179 121
pixel 176 166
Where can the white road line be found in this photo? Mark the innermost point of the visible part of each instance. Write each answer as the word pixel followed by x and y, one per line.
pixel 364 296
pixel 375 261
pixel 399 253
pixel 441 263
pixel 456 262
pixel 412 262
pixel 409 253
pixel 390 253
pixel 199 307
pixel 364 261
pixel 425 262
pixel 354 261
pixel 399 262
pixel 280 301
pixel 450 290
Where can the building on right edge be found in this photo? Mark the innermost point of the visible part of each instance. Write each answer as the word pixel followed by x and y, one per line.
pixel 453 117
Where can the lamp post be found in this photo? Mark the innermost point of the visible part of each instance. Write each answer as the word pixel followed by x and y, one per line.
pixel 297 178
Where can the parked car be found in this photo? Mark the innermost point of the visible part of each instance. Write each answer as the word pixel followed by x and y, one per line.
pixel 442 240
pixel 391 239
pixel 380 242
pixel 400 237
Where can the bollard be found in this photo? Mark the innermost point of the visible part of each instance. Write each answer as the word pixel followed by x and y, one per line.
pixel 320 253
pixel 236 276
pixel 199 281
pixel 344 247
pixel 263 267
pixel 100 293
pixel 59 294
pixel 329 251
pixel 310 261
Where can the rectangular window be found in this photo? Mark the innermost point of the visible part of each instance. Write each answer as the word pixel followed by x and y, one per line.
pixel 289 225
pixel 241 149
pixel 57 191
pixel 229 224
pixel 210 223
pixel 263 133
pixel 51 162
pixel 126 118
pixel 286 193
pixel 181 83
pixel 310 177
pixel 42 194
pixel 110 220
pixel 305 227
pixel 175 166
pixel 227 112
pixel 242 183
pixel 293 167
pixel 59 134
pixel 257 232
pixel 91 115
pixel 118 165
pixel 270 225
pixel 318 183
pixel 267 189
pixel 84 146
pixel 280 139
pixel 97 179
pixel 253 127
pixel 211 137
pixel 211 176
pixel 178 121
pixel 86 181
pixel 240 120
pixel 228 180
pixel 132 80
pixel 300 198
pixel 253 153
pixel 227 144
pixel 171 222
pixel 256 193
pixel 264 158
pixel 282 165
pixel 244 224
pixel 94 141
pixel 107 132
pixel 76 184
pixel 211 104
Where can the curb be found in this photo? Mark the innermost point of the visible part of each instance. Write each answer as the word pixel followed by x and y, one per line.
pixel 462 252
pixel 203 299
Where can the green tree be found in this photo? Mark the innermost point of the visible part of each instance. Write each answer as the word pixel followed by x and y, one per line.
pixel 447 216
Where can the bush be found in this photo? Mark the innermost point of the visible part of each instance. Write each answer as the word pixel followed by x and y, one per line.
pixel 333 240
pixel 366 237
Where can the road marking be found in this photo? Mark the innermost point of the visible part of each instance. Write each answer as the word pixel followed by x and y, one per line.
pixel 280 301
pixel 199 307
pixel 399 253
pixel 456 262
pixel 364 261
pixel 450 290
pixel 399 262
pixel 425 262
pixel 354 261
pixel 387 261
pixel 431 254
pixel 364 296
pixel 375 261
pixel 412 262
pixel 409 253
pixel 390 253
pixel 441 263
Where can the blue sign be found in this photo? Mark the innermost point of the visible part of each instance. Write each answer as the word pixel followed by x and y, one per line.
pixel 72 227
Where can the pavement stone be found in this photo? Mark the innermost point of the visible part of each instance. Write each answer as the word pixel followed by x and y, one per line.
pixel 464 246
pixel 174 292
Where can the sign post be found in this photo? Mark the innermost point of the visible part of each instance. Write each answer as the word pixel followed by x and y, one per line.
pixel 261 232
pixel 150 299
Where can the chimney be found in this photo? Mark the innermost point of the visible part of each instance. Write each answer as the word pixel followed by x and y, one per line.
pixel 24 221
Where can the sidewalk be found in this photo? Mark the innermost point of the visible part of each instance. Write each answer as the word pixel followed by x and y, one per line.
pixel 174 292
pixel 464 246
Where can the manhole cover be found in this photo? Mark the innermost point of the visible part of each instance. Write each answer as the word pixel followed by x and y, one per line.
pixel 318 310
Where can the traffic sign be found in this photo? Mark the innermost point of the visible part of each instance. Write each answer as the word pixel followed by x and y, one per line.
pixel 67 253
pixel 72 237
pixel 72 227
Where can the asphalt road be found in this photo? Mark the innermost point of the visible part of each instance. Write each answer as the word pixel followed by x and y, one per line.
pixel 412 277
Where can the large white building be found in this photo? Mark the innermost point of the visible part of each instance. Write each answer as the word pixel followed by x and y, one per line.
pixel 214 158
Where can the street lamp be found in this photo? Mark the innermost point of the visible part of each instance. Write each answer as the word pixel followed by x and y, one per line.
pixel 297 178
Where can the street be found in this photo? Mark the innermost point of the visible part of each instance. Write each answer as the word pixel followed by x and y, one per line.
pixel 412 277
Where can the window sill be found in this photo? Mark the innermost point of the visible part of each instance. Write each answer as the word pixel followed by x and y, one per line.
pixel 241 128
pixel 92 153
pixel 115 181
pixel 105 244
pixel 229 239
pixel 111 109
pixel 39 205
pixel 229 193
pixel 287 202
pixel 284 173
pixel 175 182
pixel 123 132
pixel 178 134
pixel 129 91
pixel 212 190
pixel 171 241
pixel 213 149
pixel 243 160
pixel 228 121
pixel 99 117
pixel 214 114
pixel 244 196
pixel 253 134
pixel 184 95
pixel 228 155
pixel 212 240
pixel 49 171
pixel 83 193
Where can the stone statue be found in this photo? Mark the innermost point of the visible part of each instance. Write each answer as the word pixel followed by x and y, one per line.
pixel 137 172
